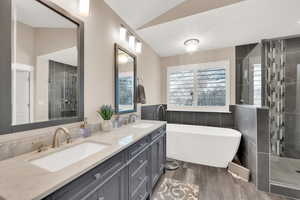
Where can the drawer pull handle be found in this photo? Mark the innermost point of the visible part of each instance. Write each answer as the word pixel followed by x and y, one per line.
pixel 97 176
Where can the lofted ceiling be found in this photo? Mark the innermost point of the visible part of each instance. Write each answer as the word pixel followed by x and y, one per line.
pixel 188 8
pixel 218 26
pixel 136 13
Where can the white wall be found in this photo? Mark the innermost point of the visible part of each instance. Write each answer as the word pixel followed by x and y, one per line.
pixel 101 32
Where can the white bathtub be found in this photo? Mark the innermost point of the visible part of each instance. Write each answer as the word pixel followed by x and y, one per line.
pixel 202 144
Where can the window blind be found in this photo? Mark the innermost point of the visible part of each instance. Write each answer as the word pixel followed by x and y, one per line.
pixel 211 87
pixel 181 87
pixel 200 85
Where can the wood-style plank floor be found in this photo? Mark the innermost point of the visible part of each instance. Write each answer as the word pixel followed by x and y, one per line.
pixel 217 184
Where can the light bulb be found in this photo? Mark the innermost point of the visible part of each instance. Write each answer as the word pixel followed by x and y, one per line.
pixel 138 47
pixel 132 42
pixel 123 34
pixel 84 7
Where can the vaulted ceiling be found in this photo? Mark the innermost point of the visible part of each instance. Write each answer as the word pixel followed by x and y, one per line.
pixel 165 25
pixel 136 13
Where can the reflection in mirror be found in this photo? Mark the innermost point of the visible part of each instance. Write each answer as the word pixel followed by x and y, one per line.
pixel 45 74
pixel 125 95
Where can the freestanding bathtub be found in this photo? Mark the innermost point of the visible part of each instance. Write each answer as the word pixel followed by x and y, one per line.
pixel 202 144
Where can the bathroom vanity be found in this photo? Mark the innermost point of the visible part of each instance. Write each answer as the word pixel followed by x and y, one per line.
pixel 128 168
pixel 131 174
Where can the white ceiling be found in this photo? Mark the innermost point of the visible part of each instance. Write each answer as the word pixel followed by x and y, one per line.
pixel 35 14
pixel 136 13
pixel 242 23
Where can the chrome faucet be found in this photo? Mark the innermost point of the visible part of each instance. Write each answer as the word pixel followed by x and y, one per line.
pixel 132 118
pixel 156 113
pixel 56 142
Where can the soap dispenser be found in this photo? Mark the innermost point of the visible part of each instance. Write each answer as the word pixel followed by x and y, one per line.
pixel 84 130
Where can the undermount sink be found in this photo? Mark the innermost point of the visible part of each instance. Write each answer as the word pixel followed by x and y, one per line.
pixel 61 159
pixel 142 125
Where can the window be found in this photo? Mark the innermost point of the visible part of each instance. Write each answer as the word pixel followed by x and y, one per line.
pixel 202 87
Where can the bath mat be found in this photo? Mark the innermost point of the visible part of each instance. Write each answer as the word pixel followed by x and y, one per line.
pixel 172 189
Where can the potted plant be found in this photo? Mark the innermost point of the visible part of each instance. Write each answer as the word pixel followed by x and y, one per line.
pixel 106 112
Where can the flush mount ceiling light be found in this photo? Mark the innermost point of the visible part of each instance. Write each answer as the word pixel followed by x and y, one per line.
pixel 84 7
pixel 298 22
pixel 192 45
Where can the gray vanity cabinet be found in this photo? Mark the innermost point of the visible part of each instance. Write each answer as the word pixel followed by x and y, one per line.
pixel 154 162
pixel 161 154
pixel 157 159
pixel 139 176
pixel 114 188
pixel 129 175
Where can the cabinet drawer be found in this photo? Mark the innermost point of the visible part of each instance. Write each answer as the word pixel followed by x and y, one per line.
pixel 158 132
pixel 112 189
pixel 138 147
pixel 141 192
pixel 84 184
pixel 138 161
pixel 138 176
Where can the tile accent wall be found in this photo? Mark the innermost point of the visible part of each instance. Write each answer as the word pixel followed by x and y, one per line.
pixel 254 150
pixel 224 120
pixel 275 62
pixel 149 112
pixel 191 118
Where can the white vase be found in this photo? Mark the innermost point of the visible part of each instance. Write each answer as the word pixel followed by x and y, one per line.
pixel 106 125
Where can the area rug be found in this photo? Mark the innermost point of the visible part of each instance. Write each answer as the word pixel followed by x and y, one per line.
pixel 171 189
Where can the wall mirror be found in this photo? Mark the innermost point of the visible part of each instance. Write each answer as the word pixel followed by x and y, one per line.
pixel 125 81
pixel 46 65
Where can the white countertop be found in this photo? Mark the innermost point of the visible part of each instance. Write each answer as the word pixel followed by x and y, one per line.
pixel 20 180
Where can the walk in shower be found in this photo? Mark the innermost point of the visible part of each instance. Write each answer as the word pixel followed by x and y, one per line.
pixel 268 75
pixel 282 95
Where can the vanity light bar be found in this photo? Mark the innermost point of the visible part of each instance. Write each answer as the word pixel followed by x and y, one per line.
pixel 133 43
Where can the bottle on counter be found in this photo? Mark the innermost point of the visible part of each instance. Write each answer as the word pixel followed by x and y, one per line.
pixel 84 130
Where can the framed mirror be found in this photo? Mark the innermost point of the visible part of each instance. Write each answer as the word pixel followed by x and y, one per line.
pixel 46 65
pixel 125 81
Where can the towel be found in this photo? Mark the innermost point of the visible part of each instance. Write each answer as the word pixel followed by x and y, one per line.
pixel 141 96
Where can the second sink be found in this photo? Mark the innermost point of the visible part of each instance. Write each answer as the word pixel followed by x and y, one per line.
pixel 142 125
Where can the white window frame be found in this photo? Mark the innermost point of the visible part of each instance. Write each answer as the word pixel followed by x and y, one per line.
pixel 202 66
